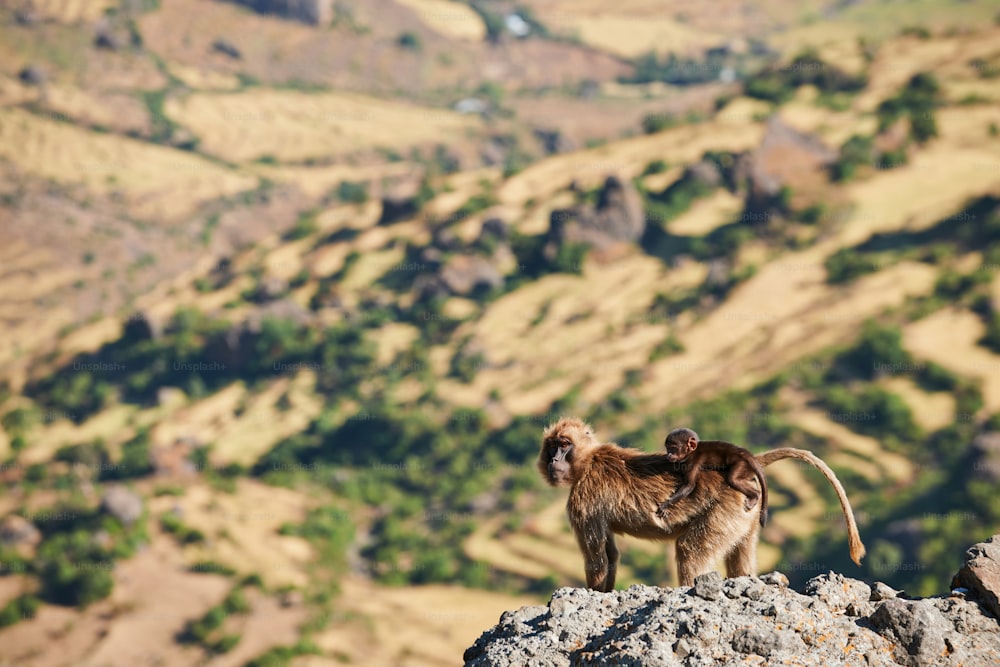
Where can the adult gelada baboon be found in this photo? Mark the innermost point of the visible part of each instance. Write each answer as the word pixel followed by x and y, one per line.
pixel 616 490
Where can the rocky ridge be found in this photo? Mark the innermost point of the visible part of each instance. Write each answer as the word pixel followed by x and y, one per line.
pixel 835 620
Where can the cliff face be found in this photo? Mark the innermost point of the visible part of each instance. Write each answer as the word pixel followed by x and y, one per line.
pixel 835 620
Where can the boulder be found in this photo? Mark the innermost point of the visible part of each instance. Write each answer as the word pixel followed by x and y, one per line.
pixel 917 626
pixel 16 531
pixel 227 48
pixel 554 141
pixel 122 504
pixel 140 327
pixel 493 229
pixel 981 574
pixel 618 217
pixel 785 158
pixel 463 274
pixel 32 75
pixel 986 449
pixel 399 202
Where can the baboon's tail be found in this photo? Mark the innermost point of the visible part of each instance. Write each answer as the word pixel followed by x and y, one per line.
pixel 759 471
pixel 853 538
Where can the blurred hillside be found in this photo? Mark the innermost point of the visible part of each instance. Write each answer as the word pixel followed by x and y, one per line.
pixel 290 289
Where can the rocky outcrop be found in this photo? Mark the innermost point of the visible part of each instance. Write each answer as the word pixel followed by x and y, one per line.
pixel 16 531
pixel 981 574
pixel 32 75
pixel 785 158
pixel 464 274
pixel 554 141
pixel 139 326
pixel 986 449
pixel 757 620
pixel 400 202
pixel 450 267
pixel 122 504
pixel 617 217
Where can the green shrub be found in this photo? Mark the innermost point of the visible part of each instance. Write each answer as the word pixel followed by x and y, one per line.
pixel 73 571
pixel 225 643
pixel 777 84
pixel 873 411
pixel 171 524
pixel 20 420
pixel 878 346
pixel 657 122
pixel 410 41
pixel 934 377
pixel 282 656
pixel 570 258
pixel 135 459
pixel 856 152
pixel 475 204
pixel 991 339
pixel 675 70
pixel 655 167
pixel 352 193
pixel 917 101
pixel 211 567
pixel 304 226
pixel 21 608
pixel 847 265
pixel 668 346
pixel 91 454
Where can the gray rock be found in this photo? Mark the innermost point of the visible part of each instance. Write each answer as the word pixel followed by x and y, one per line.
pixel 766 642
pixel 106 37
pixel 463 274
pixel 27 16
pixel 705 172
pixel 618 217
pixel 881 591
pixel 122 504
pixel 838 591
pixel 981 574
pixel 32 75
pixel 645 625
pixel 494 229
pixel 986 449
pixel 748 620
pixel 226 48
pixel 755 589
pixel 554 141
pixel 708 586
pixel 775 579
pixel 16 530
pixel 916 625
pixel 399 202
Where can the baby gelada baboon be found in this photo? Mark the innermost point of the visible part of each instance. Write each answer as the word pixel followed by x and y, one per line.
pixel 737 464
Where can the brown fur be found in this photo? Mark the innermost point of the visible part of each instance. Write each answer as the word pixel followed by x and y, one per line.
pixel 615 490
pixel 739 466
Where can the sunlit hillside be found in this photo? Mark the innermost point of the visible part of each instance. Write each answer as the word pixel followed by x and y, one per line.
pixel 287 301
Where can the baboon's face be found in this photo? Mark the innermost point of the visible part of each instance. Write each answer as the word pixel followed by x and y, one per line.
pixel 560 446
pixel 679 449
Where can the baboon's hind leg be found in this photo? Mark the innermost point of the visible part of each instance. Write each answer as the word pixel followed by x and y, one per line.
pixel 742 560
